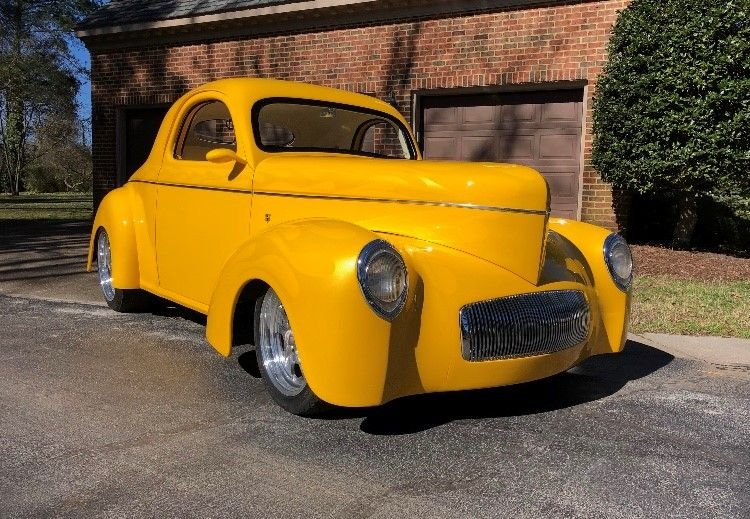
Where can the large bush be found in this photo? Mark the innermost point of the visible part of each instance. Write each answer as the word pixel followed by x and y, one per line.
pixel 672 106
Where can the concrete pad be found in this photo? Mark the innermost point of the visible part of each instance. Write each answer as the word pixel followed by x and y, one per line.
pixel 716 350
pixel 47 260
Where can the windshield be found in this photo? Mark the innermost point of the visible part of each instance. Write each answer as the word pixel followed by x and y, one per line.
pixel 299 125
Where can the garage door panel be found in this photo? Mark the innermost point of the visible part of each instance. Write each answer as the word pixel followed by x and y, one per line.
pixel 479 149
pixel 516 147
pixel 441 148
pixel 552 166
pixel 478 114
pixel 562 186
pixel 441 115
pixel 559 146
pixel 495 146
pixel 520 113
pixel 538 129
pixel 560 112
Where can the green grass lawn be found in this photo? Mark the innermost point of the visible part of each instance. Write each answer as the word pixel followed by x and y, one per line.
pixel 46 206
pixel 663 304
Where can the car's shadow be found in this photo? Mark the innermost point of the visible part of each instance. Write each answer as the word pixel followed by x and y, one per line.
pixel 596 378
pixel 249 362
pixel 164 308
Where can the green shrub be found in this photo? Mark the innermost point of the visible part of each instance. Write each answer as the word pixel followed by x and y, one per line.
pixel 672 106
pixel 39 179
pixel 67 169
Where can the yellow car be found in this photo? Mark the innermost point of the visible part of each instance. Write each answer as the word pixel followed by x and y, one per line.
pixel 303 219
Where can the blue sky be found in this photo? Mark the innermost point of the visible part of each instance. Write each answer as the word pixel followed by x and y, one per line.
pixel 84 94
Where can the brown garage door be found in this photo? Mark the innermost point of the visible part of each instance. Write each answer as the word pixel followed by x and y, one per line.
pixel 539 129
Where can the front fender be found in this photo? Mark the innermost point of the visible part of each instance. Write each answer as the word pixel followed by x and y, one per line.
pixel 588 240
pixel 311 264
pixel 115 215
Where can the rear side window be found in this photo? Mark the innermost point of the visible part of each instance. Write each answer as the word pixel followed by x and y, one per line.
pixel 383 139
pixel 207 126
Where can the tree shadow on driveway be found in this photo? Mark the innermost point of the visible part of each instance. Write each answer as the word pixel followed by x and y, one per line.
pixel 40 249
pixel 595 378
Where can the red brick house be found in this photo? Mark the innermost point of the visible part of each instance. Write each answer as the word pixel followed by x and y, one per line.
pixel 498 80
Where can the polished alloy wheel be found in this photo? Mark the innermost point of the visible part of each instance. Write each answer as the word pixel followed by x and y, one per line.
pixel 277 347
pixel 104 264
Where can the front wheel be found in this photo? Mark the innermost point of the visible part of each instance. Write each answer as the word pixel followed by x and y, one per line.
pixel 278 362
pixel 117 299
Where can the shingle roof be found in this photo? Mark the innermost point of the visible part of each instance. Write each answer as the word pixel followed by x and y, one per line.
pixel 122 12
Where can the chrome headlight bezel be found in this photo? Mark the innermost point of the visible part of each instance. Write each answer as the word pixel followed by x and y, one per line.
pixel 385 309
pixel 611 244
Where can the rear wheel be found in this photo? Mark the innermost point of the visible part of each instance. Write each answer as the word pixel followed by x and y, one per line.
pixel 118 299
pixel 278 362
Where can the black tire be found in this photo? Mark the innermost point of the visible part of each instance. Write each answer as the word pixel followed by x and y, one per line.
pixel 305 402
pixel 118 299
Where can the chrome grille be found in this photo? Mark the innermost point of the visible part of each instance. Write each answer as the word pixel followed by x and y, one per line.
pixel 524 325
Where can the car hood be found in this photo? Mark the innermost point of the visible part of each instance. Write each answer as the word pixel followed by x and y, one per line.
pixel 494 211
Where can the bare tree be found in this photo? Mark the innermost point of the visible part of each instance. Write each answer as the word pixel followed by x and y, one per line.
pixel 38 79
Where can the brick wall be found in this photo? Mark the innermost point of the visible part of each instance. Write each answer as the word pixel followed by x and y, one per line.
pixel 529 45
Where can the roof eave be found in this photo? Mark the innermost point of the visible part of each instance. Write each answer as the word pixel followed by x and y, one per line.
pixel 286 19
pixel 176 23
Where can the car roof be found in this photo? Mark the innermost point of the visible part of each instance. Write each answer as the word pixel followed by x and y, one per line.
pixel 254 89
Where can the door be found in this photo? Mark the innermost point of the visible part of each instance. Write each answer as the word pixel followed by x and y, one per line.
pixel 539 129
pixel 203 208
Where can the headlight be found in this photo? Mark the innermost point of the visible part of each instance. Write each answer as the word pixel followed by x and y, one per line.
pixel 382 276
pixel 619 260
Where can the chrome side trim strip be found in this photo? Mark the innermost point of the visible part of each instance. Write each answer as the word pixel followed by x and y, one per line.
pixel 433 203
pixel 190 186
pixel 313 196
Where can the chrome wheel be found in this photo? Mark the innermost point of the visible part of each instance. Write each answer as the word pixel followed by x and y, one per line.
pixel 277 347
pixel 104 265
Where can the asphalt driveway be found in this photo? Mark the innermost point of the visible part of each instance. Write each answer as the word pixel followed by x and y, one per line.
pixel 47 260
pixel 106 414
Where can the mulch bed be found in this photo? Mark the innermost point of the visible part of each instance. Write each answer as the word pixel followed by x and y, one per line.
pixel 704 266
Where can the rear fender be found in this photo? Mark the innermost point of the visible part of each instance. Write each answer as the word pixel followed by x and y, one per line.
pixel 116 217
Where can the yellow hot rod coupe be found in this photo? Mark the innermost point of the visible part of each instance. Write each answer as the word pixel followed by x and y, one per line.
pixel 303 219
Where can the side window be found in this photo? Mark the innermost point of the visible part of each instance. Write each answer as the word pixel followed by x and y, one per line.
pixel 383 139
pixel 207 126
